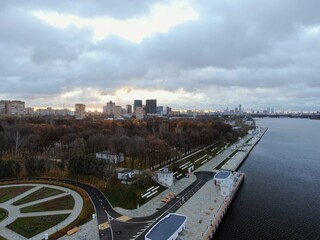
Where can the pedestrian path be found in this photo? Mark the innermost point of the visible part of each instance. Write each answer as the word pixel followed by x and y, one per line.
pixel 14 211
pixel 88 231
pixel 154 204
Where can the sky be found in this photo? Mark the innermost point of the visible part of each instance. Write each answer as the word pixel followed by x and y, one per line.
pixel 187 54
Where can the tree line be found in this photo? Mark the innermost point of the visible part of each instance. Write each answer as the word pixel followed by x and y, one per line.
pixel 35 143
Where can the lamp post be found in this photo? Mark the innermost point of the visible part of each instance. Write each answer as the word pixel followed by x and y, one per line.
pixel 139 166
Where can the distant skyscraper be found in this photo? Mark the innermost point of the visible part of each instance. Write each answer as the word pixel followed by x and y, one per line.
pixel 117 111
pixel 168 110
pixel 80 111
pixel 137 103
pixel 151 106
pixel 160 110
pixel 272 110
pixel 129 108
pixel 139 113
pixel 240 109
pixel 109 108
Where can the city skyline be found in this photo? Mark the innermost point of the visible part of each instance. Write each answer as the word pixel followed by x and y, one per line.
pixel 187 54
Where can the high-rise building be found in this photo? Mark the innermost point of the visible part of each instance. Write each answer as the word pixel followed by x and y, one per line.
pixel 110 108
pixel 129 108
pixel 151 106
pixel 168 110
pixel 139 113
pixel 117 111
pixel 160 110
pixel 12 108
pixel 29 111
pixel 240 110
pixel 80 111
pixel 137 103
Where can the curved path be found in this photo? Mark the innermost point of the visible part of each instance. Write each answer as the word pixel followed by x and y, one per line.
pixel 135 227
pixel 14 211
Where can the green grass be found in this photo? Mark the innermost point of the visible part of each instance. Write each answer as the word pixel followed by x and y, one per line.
pixel 2 238
pixel 226 160
pixel 210 154
pixel 129 196
pixel 8 193
pixel 39 194
pixel 3 214
pixel 62 203
pixel 31 226
pixel 249 140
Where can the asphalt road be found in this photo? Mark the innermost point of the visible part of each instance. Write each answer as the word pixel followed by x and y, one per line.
pixel 136 227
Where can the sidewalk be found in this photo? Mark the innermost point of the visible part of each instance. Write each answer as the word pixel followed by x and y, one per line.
pixel 154 204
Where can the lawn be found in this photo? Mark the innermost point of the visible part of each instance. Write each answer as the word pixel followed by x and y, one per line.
pixel 226 160
pixel 198 159
pixel 39 194
pixel 129 196
pixel 249 140
pixel 3 214
pixel 31 226
pixel 62 203
pixel 8 193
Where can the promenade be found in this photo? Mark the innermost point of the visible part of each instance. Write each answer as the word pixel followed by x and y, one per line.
pixel 206 208
pixel 154 204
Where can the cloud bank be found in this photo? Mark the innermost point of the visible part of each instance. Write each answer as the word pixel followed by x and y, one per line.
pixel 188 54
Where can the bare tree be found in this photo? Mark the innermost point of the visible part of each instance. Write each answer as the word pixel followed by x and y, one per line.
pixel 17 141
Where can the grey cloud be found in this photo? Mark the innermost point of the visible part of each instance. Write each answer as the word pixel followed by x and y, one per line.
pixel 93 8
pixel 234 51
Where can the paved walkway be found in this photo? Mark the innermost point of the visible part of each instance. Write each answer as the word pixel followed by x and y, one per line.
pixel 88 231
pixel 154 204
pixel 14 211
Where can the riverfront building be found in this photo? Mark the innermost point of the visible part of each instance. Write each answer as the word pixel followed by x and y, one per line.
pixel 165 177
pixel 168 228
pixel 224 179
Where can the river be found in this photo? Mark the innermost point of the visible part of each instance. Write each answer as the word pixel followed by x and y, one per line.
pixel 280 197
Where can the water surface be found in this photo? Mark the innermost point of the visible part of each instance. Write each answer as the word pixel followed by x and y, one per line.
pixel 280 197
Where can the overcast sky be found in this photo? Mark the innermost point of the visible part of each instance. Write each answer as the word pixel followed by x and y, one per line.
pixel 205 54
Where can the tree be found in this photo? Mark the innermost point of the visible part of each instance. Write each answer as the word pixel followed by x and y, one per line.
pixel 34 166
pixel 87 165
pixel 9 168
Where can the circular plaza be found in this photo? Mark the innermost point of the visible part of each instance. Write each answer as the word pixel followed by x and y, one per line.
pixel 36 210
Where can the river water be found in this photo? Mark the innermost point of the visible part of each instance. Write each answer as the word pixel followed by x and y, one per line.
pixel 280 197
